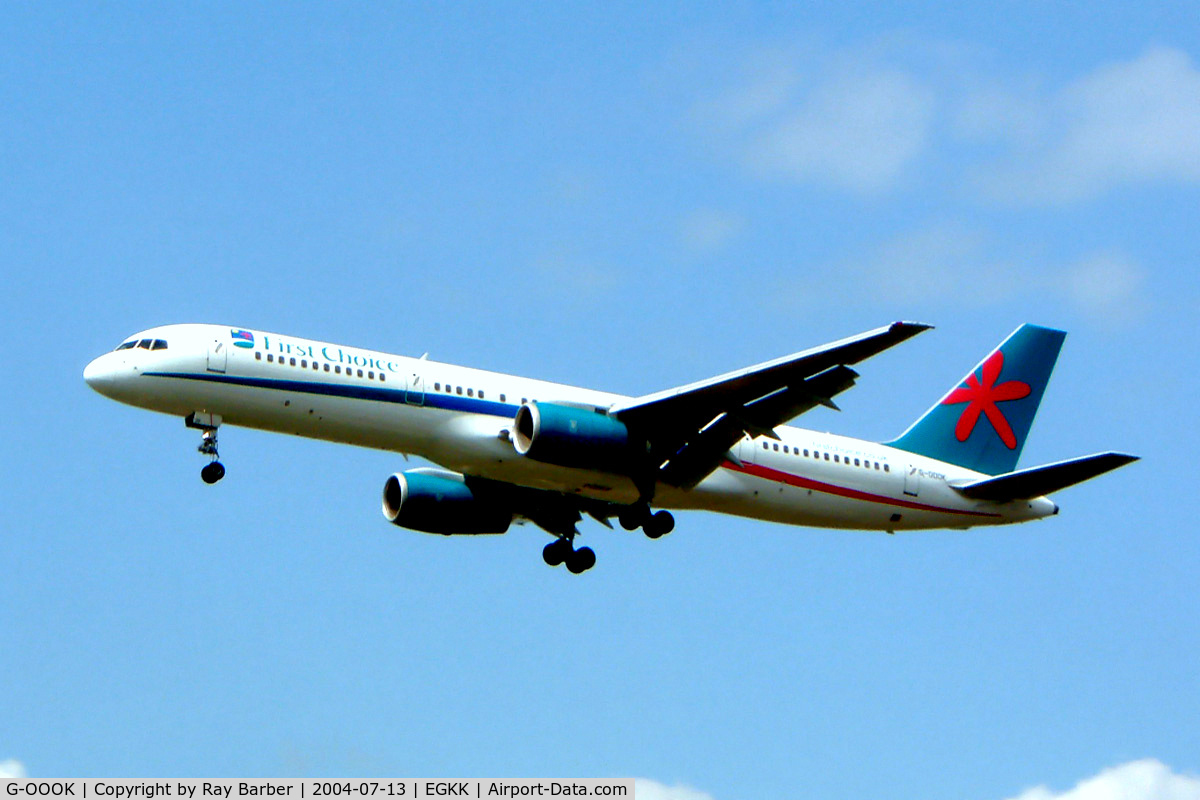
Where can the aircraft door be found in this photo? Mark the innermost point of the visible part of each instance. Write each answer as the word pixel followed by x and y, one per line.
pixel 912 481
pixel 218 355
pixel 414 393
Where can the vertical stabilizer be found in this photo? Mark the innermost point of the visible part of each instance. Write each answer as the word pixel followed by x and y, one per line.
pixel 982 422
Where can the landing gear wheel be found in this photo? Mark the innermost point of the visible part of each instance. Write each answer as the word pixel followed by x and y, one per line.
pixel 581 560
pixel 212 472
pixel 556 552
pixel 634 516
pixel 659 525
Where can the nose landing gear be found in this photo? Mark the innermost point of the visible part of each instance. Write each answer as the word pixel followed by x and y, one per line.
pixel 214 470
pixel 207 424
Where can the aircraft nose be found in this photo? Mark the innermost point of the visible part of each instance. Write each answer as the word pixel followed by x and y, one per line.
pixel 100 374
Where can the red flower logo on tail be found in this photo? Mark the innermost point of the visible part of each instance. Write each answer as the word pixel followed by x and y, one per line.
pixel 982 396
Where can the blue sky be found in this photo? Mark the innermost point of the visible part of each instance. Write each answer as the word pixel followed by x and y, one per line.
pixel 629 199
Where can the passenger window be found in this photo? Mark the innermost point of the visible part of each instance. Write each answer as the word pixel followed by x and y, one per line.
pixel 371 374
pixel 776 448
pixel 459 388
pixel 856 462
pixel 481 394
pixel 886 468
pixel 327 368
pixel 877 466
pixel 827 456
pixel 304 363
pixel 470 392
pixel 806 452
pixel 315 366
pixel 437 387
pixel 270 358
pixel 360 373
pixel 338 369
pixel 785 448
pixel 258 355
pixel 502 398
pixel 766 446
pixel 292 362
pixel 381 378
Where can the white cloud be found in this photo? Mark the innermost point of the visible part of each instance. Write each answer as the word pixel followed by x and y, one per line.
pixel 864 120
pixel 1125 123
pixel 940 263
pixel 858 130
pixel 708 229
pixel 646 789
pixel 563 275
pixel 953 263
pixel 1147 779
pixel 1105 284
pixel 857 125
pixel 995 113
pixel 770 87
pixel 12 769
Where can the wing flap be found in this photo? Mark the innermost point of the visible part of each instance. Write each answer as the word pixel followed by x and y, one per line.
pixel 1038 481
pixel 700 402
pixel 704 452
pixel 690 429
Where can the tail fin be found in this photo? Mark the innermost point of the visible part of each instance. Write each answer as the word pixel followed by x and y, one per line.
pixel 982 422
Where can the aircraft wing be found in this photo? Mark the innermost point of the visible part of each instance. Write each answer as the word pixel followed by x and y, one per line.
pixel 691 428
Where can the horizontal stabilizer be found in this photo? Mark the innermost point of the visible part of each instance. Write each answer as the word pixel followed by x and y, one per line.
pixel 1037 481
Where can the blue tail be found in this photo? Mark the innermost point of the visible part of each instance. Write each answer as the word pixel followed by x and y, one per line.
pixel 982 422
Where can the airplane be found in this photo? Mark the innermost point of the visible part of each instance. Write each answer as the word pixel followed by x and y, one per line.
pixel 508 448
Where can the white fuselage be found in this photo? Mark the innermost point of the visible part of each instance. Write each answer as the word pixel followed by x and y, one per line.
pixel 461 419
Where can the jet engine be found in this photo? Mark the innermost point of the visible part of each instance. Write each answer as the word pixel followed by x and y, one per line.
pixel 568 436
pixel 437 501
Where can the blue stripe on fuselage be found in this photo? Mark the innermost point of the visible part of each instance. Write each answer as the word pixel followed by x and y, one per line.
pixel 447 402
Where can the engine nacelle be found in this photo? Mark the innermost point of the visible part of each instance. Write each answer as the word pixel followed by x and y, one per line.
pixel 572 437
pixel 440 502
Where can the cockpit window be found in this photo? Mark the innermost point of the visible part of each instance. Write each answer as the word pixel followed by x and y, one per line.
pixel 144 344
pixel 127 345
pixel 158 344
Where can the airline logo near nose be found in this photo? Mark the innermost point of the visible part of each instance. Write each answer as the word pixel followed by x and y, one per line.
pixel 242 338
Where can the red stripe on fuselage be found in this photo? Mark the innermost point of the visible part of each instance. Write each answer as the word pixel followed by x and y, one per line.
pixel 779 476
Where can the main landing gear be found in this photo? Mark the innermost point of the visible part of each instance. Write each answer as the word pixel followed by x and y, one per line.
pixel 562 551
pixel 653 525
pixel 214 470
